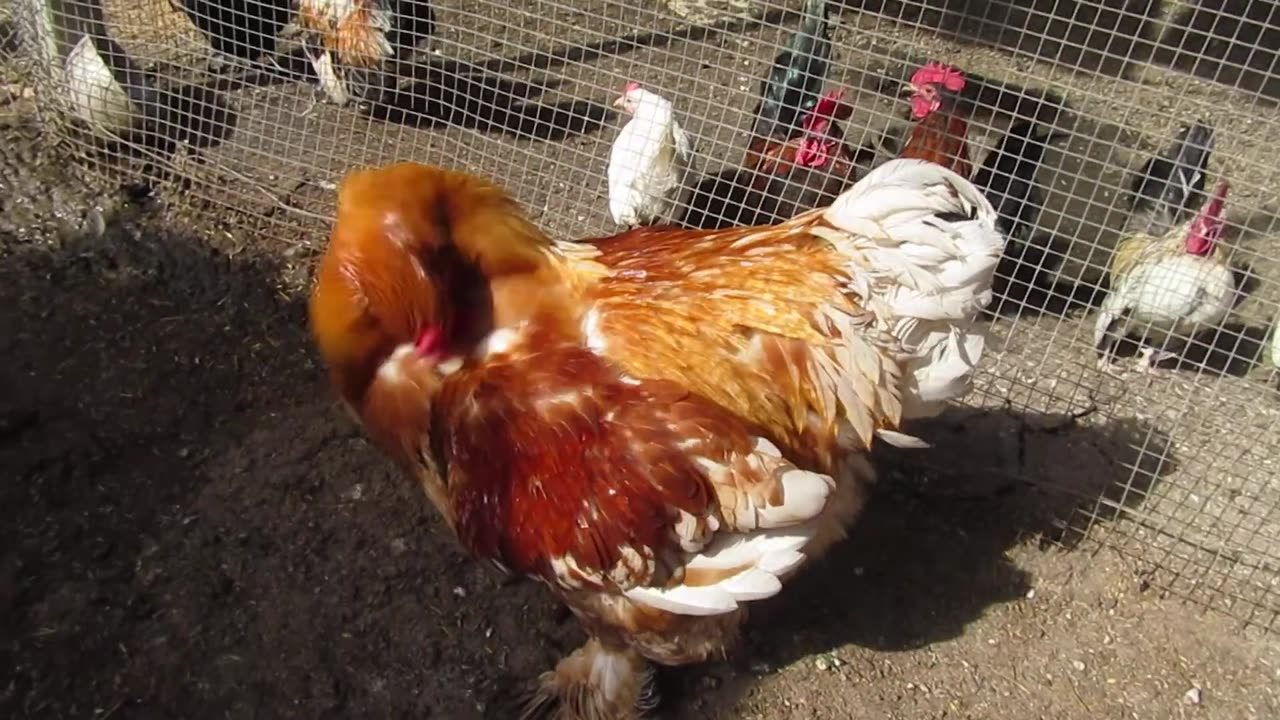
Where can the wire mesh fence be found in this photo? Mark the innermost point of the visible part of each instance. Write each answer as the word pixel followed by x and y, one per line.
pixel 247 114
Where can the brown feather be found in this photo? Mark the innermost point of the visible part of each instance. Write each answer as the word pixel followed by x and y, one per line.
pixel 941 138
pixel 551 455
pixel 729 314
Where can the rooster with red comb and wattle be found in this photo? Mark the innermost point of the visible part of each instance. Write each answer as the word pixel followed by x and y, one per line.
pixel 941 131
pixel 1168 280
pixel 796 158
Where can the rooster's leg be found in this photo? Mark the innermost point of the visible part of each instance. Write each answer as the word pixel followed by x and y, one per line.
pixel 596 682
pixel 1149 358
pixel 1108 366
pixel 326 74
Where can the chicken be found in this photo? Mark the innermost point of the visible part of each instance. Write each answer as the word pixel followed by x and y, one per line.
pixel 810 170
pixel 238 29
pixel 796 158
pixel 102 84
pixel 794 83
pixel 1008 177
pixel 941 133
pixel 1274 347
pixel 1164 287
pixel 356 46
pixel 649 162
pixel 663 425
pixel 1164 193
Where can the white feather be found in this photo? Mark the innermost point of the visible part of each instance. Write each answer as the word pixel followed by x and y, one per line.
pixel 1275 345
pixel 925 278
pixel 1169 296
pixel 648 163
pixel 804 494
pixel 768 544
pixel 96 97
pixel 765 558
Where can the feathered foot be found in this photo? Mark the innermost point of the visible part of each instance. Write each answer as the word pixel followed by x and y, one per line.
pixel 594 683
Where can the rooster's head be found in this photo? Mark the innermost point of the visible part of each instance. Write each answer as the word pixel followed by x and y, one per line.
pixel 930 85
pixel 820 143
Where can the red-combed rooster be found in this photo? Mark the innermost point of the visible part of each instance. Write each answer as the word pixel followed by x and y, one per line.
pixel 810 170
pixel 796 156
pixel 942 114
pixel 355 45
pixel 662 425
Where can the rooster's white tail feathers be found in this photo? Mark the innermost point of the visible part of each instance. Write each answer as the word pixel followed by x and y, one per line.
pixel 923 247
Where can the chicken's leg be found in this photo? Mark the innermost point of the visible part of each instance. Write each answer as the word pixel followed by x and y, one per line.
pixel 326 74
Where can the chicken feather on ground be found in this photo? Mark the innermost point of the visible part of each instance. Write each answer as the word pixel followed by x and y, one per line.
pixel 661 425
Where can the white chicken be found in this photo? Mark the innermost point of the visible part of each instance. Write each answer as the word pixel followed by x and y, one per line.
pixel 649 162
pixel 1275 346
pixel 101 83
pixel 1166 287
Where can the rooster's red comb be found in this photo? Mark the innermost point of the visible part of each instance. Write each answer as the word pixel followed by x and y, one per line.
pixel 934 72
pixel 633 85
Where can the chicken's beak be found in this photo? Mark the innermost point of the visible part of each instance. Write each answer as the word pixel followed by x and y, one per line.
pixel 908 89
pixel 620 102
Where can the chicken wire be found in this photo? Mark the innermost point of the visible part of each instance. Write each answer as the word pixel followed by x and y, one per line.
pixel 1177 469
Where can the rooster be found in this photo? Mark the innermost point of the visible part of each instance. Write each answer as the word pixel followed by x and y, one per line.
pixel 649 162
pixel 942 114
pixel 663 425
pixel 1166 277
pixel 797 157
pixel 794 82
pixel 355 46
pixel 1008 177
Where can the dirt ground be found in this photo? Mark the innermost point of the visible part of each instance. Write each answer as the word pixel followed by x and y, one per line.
pixel 192 528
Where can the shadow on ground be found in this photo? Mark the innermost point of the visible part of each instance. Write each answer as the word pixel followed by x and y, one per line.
pixel 928 556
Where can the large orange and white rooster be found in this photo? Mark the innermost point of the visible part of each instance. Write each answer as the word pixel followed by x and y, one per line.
pixel 663 425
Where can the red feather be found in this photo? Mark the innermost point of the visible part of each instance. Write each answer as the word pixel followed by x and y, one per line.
pixel 550 455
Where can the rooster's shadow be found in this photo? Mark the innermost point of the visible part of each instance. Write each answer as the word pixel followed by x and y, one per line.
pixel 466 96
pixel 929 554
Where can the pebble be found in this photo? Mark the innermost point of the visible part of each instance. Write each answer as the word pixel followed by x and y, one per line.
pixel 1078 665
pixel 1192 696
pixel 822 664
